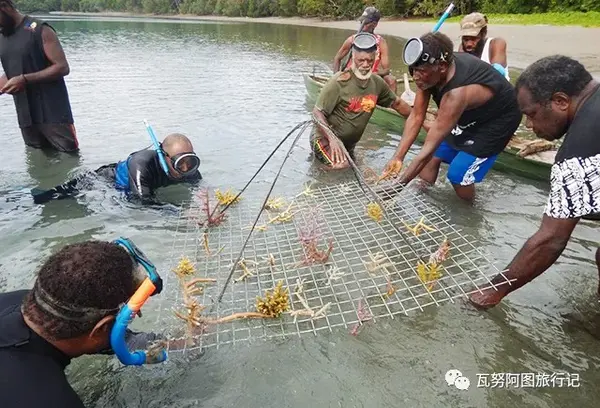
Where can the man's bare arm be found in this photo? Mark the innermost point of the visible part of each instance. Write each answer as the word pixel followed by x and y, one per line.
pixel 498 52
pixel 413 124
pixel 540 252
pixel 384 61
pixel 401 107
pixel 452 107
pixel 59 67
pixel 342 52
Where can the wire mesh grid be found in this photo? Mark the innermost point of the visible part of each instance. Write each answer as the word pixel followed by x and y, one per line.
pixel 370 273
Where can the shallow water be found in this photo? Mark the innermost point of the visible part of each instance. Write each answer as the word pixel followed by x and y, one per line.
pixel 236 89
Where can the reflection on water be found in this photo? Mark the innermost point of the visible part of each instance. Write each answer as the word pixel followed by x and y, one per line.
pixel 236 90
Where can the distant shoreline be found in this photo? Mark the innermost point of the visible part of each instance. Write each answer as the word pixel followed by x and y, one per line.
pixel 526 43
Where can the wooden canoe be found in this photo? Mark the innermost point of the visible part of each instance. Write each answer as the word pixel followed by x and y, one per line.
pixel 534 166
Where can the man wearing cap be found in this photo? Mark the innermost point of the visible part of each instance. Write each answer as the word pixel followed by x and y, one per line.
pixel 381 66
pixel 474 40
pixel 478 114
pixel 347 102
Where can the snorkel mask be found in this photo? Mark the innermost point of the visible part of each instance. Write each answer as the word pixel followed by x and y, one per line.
pixel 414 54
pixel 184 163
pixel 151 285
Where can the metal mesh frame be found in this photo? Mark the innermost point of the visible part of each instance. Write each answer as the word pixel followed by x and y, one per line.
pixel 355 294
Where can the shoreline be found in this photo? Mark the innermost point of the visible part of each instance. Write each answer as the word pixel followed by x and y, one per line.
pixel 526 43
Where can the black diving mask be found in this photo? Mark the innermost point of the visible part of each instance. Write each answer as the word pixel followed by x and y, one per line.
pixel 185 163
pixel 414 54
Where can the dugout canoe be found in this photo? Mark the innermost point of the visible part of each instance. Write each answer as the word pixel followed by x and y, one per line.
pixel 535 166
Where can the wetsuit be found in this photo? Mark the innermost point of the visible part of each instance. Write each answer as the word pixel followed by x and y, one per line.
pixel 137 176
pixel 482 133
pixel 31 369
pixel 43 109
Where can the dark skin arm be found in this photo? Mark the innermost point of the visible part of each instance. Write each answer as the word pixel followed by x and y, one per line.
pixel 535 257
pixel 384 62
pixel 58 68
pixel 342 52
pixel 498 52
pixel 337 154
pixel 452 106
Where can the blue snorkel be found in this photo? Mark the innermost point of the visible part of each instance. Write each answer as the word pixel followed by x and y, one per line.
pixel 161 155
pixel 443 18
pixel 151 285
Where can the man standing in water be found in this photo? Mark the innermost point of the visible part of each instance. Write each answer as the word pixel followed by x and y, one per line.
pixel 478 114
pixel 34 66
pixel 347 102
pixel 381 66
pixel 558 97
pixel 474 40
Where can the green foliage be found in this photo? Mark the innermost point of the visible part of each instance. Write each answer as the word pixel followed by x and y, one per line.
pixel 557 12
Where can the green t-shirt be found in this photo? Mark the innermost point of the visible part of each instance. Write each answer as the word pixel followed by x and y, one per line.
pixel 348 104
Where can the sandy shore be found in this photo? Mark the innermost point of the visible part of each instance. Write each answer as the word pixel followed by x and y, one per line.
pixel 526 44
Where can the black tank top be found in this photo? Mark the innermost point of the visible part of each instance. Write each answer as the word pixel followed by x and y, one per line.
pixel 23 53
pixel 502 107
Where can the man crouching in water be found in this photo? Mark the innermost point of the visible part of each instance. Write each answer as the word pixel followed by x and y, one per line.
pixel 71 311
pixel 141 173
pixel 346 103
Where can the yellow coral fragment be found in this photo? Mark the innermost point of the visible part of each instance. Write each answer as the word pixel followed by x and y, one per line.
pixel 274 203
pixel 184 268
pixel 374 211
pixel 428 273
pixel 227 197
pixel 274 304
pixel 418 227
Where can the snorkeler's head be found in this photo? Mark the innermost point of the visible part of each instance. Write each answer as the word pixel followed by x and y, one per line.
pixel 183 161
pixel 77 294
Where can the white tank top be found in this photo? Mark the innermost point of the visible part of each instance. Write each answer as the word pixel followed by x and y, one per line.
pixel 485 56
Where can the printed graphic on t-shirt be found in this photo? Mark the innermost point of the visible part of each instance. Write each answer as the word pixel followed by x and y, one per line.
pixel 364 104
pixel 574 188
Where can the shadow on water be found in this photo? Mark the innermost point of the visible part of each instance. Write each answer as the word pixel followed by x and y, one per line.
pixel 236 90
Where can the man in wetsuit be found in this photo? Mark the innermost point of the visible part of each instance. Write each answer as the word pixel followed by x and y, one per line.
pixel 559 98
pixel 69 312
pixel 381 66
pixel 478 114
pixel 141 173
pixel 346 103
pixel 35 65
pixel 474 40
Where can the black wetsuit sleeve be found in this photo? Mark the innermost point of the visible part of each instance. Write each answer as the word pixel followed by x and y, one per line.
pixel 140 176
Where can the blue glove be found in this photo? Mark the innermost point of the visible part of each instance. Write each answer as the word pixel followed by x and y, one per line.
pixel 499 68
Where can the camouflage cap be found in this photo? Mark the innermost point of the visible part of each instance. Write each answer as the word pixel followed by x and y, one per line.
pixel 471 24
pixel 370 15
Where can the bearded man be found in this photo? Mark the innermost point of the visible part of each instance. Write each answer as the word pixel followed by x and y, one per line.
pixel 347 102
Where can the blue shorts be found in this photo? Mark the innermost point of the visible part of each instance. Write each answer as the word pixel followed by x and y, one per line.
pixel 465 169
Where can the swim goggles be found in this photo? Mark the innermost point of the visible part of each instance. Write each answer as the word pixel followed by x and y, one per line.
pixel 414 54
pixel 184 163
pixel 150 286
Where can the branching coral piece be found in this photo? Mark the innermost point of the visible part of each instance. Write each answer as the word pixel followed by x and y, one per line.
pixel 377 262
pixel 307 311
pixel 309 235
pixel 274 304
pixel 211 219
pixel 390 289
pixel 246 272
pixel 363 316
pixel 334 274
pixel 419 226
pixel 185 268
pixel 374 211
pixel 227 197
pixel 274 204
pixel 441 254
pixel 428 273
